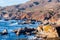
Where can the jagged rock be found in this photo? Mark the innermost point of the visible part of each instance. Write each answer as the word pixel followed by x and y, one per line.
pixel 17 32
pixel 47 31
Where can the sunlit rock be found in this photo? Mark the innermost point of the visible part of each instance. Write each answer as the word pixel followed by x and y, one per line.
pixel 47 31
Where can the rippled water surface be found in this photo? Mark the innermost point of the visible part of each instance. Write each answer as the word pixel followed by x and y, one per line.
pixel 13 24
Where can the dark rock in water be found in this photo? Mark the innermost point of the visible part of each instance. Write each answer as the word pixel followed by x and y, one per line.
pixel 25 31
pixel 29 29
pixel 5 32
pixel 17 32
pixel 28 33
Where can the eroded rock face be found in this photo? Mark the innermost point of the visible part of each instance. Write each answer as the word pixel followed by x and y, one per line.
pixel 47 31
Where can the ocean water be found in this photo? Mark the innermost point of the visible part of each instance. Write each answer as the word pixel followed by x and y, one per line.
pixel 12 25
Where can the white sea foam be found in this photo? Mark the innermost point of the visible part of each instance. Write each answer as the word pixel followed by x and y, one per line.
pixel 12 24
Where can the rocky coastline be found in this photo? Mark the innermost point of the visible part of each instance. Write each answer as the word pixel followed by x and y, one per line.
pixel 48 13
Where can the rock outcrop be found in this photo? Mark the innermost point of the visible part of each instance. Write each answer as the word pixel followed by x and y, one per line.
pixel 47 31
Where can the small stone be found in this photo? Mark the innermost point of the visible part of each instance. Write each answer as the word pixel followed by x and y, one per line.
pixel 4 32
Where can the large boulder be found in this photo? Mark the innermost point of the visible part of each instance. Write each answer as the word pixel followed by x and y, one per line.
pixel 47 31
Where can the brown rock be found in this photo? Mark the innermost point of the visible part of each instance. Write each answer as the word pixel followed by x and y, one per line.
pixel 47 31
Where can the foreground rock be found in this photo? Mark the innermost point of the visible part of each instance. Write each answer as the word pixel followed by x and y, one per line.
pixel 47 31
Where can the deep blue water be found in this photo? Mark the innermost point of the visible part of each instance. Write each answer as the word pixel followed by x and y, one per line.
pixel 12 25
